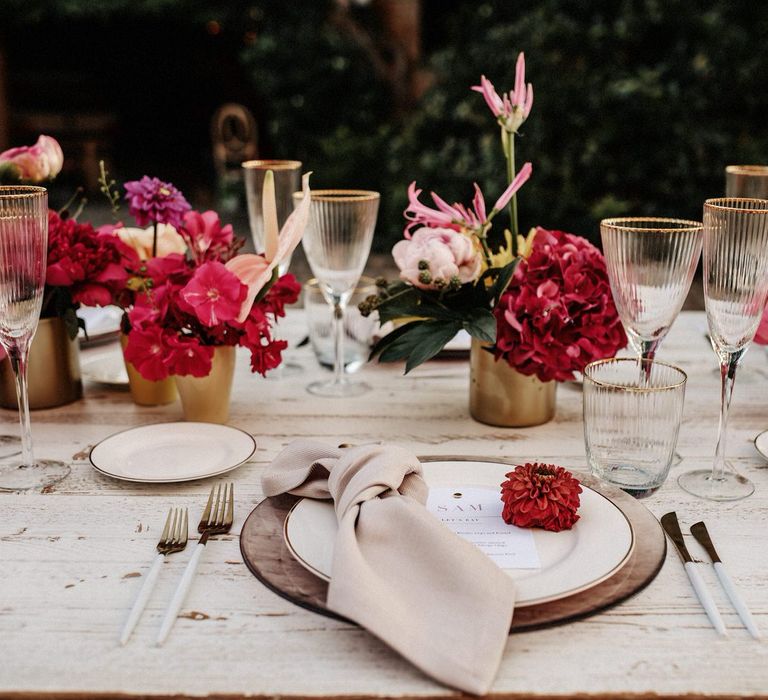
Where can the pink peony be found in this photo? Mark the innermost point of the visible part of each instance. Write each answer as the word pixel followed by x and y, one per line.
pixel 43 161
pixel 152 201
pixel 437 258
pixel 557 314
pixel 214 293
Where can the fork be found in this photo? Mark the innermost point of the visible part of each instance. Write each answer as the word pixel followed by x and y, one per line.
pixel 216 520
pixel 173 539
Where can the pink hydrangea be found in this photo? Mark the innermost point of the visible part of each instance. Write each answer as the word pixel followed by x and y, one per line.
pixel 557 314
pixel 437 258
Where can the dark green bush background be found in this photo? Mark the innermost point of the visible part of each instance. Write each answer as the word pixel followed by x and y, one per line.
pixel 639 104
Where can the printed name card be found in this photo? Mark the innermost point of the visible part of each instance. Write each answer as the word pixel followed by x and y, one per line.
pixel 475 515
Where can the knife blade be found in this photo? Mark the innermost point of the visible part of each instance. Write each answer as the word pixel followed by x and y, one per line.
pixel 672 528
pixel 700 532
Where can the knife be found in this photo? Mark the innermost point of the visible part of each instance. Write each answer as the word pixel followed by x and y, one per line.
pixel 699 531
pixel 672 528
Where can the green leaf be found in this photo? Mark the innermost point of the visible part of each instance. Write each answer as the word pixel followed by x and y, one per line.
pixel 481 324
pixel 390 338
pixel 503 280
pixel 432 340
pixel 263 291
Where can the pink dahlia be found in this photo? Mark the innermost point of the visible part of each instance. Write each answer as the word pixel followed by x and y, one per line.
pixel 152 201
pixel 557 314
pixel 541 495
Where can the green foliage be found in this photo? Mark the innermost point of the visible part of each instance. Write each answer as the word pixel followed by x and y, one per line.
pixel 438 316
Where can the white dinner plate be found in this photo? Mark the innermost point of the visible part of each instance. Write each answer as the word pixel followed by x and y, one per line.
pixel 761 443
pixel 105 367
pixel 166 452
pixel 101 322
pixel 574 560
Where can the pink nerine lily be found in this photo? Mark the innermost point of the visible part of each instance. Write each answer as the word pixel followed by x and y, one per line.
pixel 512 109
pixel 456 216
pixel 255 271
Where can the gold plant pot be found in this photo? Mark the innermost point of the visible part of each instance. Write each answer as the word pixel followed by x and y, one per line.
pixel 500 395
pixel 53 372
pixel 206 399
pixel 145 392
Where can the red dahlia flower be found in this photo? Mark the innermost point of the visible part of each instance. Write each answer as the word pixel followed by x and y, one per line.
pixel 540 495
pixel 557 314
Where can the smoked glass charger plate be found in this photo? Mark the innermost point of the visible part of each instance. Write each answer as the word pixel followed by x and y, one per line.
pixel 615 549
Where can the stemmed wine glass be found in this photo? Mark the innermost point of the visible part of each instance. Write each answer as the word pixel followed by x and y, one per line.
pixel 735 292
pixel 23 257
pixel 337 242
pixel 287 179
pixel 651 262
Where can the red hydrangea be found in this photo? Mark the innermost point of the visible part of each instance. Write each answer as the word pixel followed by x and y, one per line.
pixel 541 495
pixel 92 264
pixel 557 314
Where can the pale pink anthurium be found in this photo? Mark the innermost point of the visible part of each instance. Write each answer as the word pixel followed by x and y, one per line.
pixel 256 271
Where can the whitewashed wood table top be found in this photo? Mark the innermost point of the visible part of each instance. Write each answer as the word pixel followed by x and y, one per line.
pixel 71 560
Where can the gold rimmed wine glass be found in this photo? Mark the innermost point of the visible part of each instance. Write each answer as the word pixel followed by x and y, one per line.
pixel 735 292
pixel 23 259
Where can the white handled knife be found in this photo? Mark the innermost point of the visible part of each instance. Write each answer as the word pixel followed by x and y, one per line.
pixel 672 528
pixel 699 531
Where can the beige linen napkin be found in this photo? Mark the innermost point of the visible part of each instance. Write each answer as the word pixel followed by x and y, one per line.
pixel 397 570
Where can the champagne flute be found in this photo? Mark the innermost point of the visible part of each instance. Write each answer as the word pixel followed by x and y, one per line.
pixel 735 292
pixel 651 262
pixel 337 242
pixel 287 179
pixel 23 258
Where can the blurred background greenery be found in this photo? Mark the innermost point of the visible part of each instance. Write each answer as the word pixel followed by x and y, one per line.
pixel 639 104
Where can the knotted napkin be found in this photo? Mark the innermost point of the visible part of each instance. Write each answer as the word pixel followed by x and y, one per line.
pixel 397 570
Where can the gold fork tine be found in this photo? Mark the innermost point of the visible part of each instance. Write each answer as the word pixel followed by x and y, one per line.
pixel 174 527
pixel 184 530
pixel 166 529
pixel 230 506
pixel 206 512
pixel 214 519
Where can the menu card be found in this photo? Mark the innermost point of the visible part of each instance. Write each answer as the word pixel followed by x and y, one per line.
pixel 475 514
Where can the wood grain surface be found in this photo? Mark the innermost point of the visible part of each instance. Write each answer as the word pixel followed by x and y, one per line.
pixel 72 559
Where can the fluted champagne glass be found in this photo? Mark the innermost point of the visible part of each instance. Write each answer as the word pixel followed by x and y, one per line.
pixel 337 242
pixel 735 292
pixel 287 180
pixel 651 262
pixel 23 258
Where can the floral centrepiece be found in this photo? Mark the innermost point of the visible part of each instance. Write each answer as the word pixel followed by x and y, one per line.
pixel 541 495
pixel 181 307
pixel 541 303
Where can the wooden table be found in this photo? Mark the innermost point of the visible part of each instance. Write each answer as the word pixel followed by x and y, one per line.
pixel 71 559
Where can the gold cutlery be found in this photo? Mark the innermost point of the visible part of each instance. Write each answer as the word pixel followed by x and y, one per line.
pixel 173 539
pixel 216 520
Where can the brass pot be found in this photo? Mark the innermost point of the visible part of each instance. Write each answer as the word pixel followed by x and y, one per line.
pixel 206 399
pixel 53 372
pixel 145 392
pixel 500 395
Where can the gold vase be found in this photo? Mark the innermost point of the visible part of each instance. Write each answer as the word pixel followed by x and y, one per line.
pixel 53 371
pixel 206 399
pixel 145 392
pixel 500 395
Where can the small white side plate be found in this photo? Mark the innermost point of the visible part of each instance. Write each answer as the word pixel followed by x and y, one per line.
pixel 105 367
pixel 761 443
pixel 597 546
pixel 101 322
pixel 168 452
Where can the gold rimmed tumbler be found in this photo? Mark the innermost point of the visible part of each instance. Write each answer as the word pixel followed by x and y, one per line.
pixel 337 242
pixel 651 262
pixel 735 292
pixel 23 260
pixel 749 181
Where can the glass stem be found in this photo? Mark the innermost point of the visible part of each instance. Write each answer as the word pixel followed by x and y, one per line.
pixel 19 357
pixel 647 354
pixel 338 341
pixel 728 367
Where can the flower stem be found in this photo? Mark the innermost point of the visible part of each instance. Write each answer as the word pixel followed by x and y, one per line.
pixel 154 239
pixel 508 145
